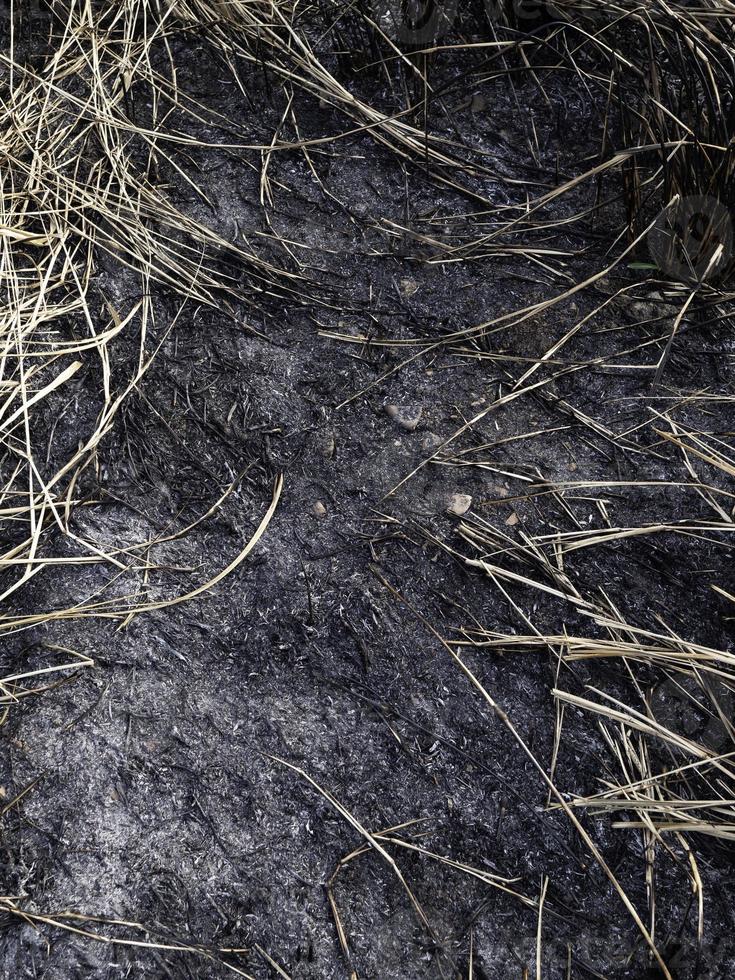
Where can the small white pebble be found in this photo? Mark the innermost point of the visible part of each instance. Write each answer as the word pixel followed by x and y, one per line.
pixel 459 504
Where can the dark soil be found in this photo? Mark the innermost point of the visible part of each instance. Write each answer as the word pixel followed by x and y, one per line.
pixel 156 797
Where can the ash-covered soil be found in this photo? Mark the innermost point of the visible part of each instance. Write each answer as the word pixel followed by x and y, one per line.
pixel 157 789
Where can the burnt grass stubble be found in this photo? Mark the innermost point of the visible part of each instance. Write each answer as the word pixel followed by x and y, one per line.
pixel 157 799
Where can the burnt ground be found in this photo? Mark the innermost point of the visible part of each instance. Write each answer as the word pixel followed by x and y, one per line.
pixel 154 794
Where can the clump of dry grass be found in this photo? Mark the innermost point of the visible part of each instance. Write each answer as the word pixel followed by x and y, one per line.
pixel 80 181
pixel 666 712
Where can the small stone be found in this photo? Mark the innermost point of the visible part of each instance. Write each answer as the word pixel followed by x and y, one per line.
pixel 431 441
pixel 328 446
pixel 654 307
pixel 644 311
pixel 512 520
pixel 408 417
pixel 459 504
pixel 478 103
pixel 319 510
